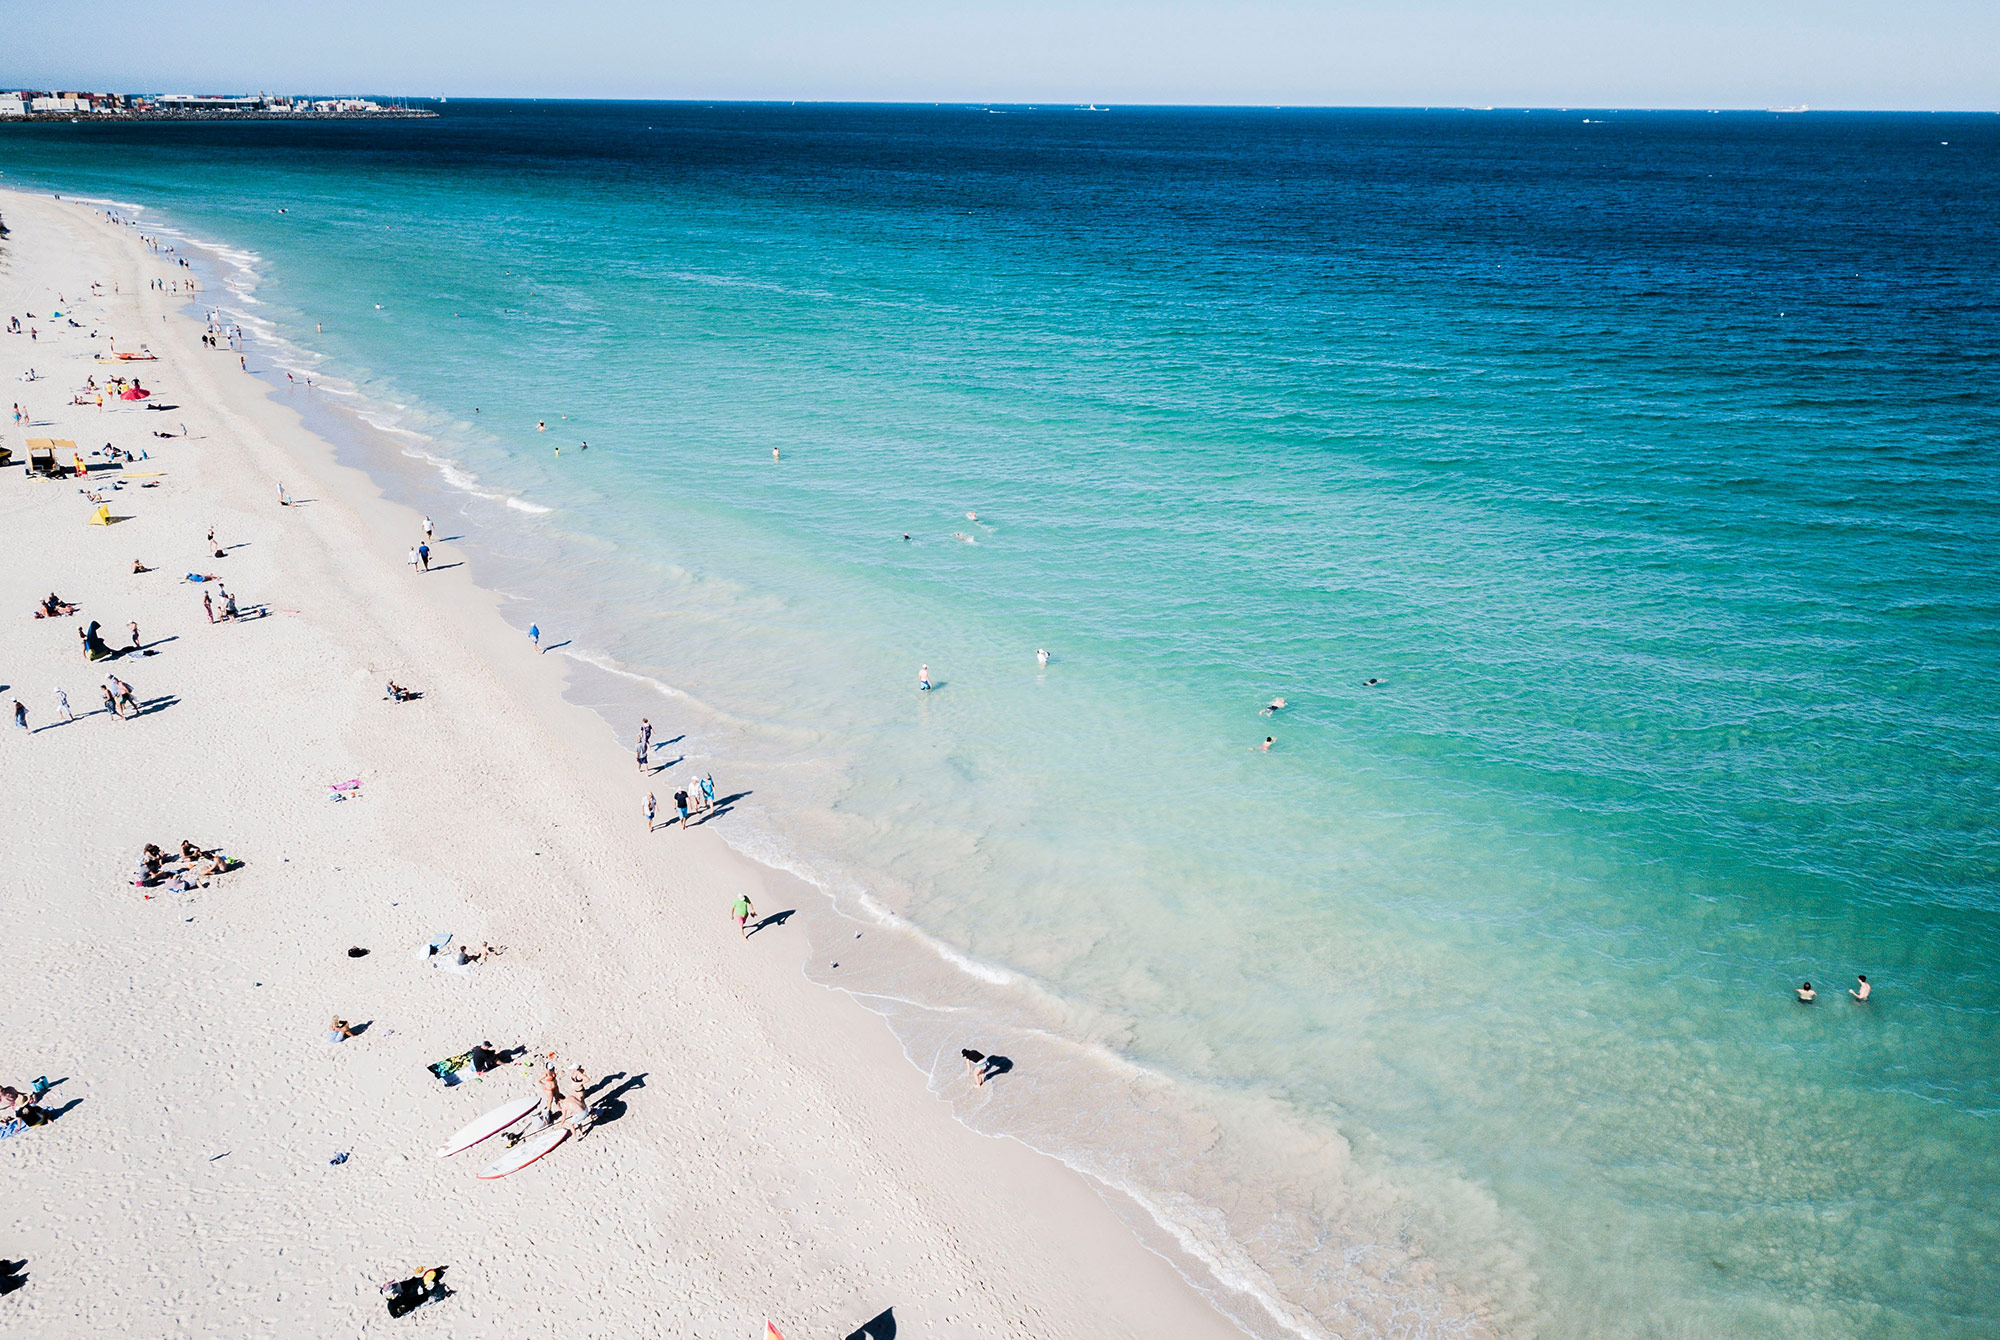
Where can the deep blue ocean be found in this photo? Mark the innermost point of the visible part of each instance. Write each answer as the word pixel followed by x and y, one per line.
pixel 1610 496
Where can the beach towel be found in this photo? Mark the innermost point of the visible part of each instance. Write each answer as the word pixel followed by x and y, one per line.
pixel 452 1070
pixel 11 1127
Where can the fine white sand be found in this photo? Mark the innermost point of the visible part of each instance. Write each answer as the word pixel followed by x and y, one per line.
pixel 769 1152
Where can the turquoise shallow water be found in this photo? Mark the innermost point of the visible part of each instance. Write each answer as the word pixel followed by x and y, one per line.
pixel 1647 461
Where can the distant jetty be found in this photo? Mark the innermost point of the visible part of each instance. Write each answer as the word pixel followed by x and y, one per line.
pixel 28 105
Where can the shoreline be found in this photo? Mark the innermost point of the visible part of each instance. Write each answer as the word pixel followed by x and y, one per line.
pixel 838 1085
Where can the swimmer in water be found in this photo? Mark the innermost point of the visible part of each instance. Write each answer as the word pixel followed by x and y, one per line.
pixel 1265 747
pixel 1860 992
pixel 774 455
pixel 972 516
pixel 1041 658
pixel 906 537
pixel 541 425
pixel 1370 683
pixel 1275 705
pixel 1807 995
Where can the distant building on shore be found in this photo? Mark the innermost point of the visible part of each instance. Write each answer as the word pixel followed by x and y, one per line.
pixel 32 104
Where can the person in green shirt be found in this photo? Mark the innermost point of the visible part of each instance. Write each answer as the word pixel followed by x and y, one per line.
pixel 742 911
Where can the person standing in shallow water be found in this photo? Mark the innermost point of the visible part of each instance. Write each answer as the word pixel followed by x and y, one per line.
pixel 924 678
pixel 1860 992
pixel 645 742
pixel 1807 995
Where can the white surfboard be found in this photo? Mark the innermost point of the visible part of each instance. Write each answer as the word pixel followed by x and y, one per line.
pixel 521 1155
pixel 494 1122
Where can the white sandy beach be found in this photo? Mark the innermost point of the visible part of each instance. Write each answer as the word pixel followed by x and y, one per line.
pixel 766 1151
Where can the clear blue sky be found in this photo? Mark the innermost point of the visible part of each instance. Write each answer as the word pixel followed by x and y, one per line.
pixel 1667 53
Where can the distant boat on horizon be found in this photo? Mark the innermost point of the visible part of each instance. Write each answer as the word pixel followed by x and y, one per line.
pixel 1789 110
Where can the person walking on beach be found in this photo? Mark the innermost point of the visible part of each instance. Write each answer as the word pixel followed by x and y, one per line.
pixel 742 911
pixel 414 560
pixel 652 808
pixel 924 678
pixel 208 606
pixel 110 703
pixel 645 742
pixel 20 714
pixel 134 626
pixel 125 698
pixel 424 553
pixel 535 635
pixel 681 804
pixel 707 792
pixel 1860 992
pixel 428 532
pixel 62 701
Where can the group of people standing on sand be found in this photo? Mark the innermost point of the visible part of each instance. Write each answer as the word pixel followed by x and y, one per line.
pixel 697 797
pixel 420 552
pixel 573 1107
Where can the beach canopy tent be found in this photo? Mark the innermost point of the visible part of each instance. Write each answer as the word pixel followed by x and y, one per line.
pixel 42 455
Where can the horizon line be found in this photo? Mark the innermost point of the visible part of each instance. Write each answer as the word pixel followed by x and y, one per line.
pixel 1065 103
